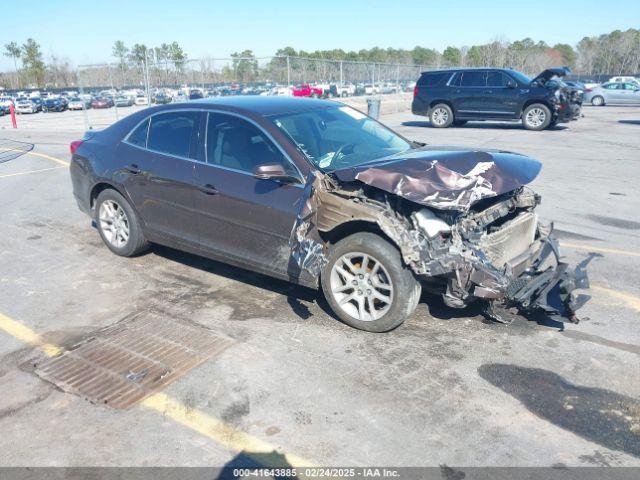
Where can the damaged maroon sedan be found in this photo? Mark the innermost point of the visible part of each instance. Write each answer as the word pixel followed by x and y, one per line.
pixel 319 194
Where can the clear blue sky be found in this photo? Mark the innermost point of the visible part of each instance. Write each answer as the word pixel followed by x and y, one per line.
pixel 84 31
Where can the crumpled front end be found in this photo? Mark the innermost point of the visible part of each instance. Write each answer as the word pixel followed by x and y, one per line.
pixel 502 254
pixel 464 222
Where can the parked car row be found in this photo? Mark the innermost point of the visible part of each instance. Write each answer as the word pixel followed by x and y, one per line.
pixel 37 101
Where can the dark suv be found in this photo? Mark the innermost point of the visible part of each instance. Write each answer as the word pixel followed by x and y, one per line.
pixel 455 96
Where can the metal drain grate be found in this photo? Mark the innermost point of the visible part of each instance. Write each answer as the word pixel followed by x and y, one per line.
pixel 126 362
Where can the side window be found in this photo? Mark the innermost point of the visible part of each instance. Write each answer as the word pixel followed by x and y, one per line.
pixel 612 86
pixel 455 81
pixel 171 132
pixel 496 79
pixel 139 136
pixel 236 143
pixel 630 86
pixel 432 79
pixel 473 79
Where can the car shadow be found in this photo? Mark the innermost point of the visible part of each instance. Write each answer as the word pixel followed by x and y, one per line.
pixel 295 294
pixel 481 126
pixel 630 122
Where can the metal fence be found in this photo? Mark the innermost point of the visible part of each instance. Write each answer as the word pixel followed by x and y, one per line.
pixel 239 75
pixel 209 71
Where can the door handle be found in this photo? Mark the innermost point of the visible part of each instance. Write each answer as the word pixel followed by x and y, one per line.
pixel 208 189
pixel 133 169
pixel 487 91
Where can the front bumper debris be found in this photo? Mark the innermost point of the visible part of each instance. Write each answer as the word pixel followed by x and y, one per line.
pixel 551 290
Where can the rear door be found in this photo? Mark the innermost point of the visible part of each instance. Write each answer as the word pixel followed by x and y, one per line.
pixel 244 219
pixel 613 93
pixel 159 173
pixel 469 93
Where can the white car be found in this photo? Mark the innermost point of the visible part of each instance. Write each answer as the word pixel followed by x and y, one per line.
pixel 141 100
pixel 623 80
pixel 26 106
pixel 6 101
pixel 279 92
pixel 76 103
pixel 346 90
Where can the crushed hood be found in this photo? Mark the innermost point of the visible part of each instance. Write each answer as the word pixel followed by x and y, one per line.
pixel 447 178
pixel 549 73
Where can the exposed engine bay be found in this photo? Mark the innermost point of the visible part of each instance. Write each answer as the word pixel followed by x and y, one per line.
pixel 464 222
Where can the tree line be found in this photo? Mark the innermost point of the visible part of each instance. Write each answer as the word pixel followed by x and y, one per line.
pixel 613 53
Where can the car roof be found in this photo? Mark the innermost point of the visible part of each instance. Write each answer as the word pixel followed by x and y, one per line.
pixel 464 69
pixel 266 106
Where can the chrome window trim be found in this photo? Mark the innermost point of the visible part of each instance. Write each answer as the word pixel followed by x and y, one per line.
pixel 453 74
pixel 207 111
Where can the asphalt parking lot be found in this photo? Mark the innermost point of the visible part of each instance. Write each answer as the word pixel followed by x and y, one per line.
pixel 446 388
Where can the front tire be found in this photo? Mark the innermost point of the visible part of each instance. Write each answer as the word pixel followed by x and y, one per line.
pixel 367 284
pixel 597 101
pixel 441 116
pixel 118 224
pixel 536 117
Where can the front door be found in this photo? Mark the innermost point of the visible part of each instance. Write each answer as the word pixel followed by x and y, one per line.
pixel 630 94
pixel 245 219
pixel 501 100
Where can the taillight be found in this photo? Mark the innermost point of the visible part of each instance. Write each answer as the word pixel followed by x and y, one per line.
pixel 74 146
pixel 587 90
pixel 415 91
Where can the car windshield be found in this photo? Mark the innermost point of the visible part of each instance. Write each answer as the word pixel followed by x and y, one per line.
pixel 520 77
pixel 339 137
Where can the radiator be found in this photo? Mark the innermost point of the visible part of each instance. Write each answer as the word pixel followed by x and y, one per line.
pixel 513 239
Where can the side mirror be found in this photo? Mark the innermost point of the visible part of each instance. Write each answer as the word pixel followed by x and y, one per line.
pixel 511 84
pixel 273 171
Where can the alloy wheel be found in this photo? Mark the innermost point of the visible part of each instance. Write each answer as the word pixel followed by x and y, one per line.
pixel 536 117
pixel 440 116
pixel 114 223
pixel 361 286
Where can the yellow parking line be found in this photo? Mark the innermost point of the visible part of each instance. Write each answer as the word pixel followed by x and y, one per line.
pixel 590 248
pixel 49 157
pixel 42 155
pixel 30 171
pixel 28 336
pixel 168 407
pixel 217 430
pixel 632 301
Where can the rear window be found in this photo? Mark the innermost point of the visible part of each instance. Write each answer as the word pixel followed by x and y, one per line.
pixel 432 79
pixel 473 79
pixel 139 136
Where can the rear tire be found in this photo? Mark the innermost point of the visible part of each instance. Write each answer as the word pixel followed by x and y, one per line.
pixel 536 117
pixel 441 116
pixel 378 292
pixel 597 101
pixel 118 224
